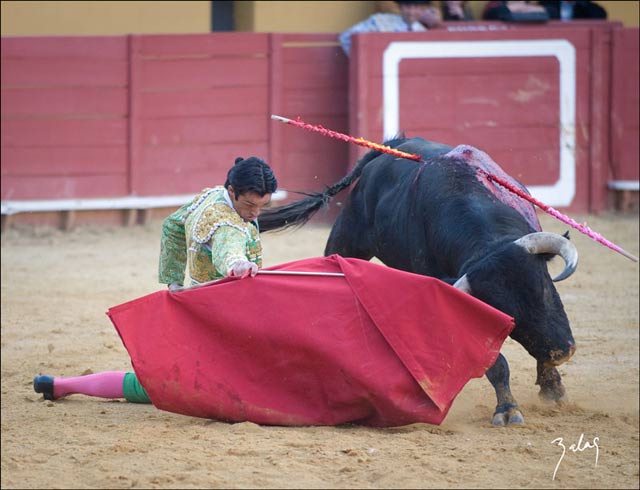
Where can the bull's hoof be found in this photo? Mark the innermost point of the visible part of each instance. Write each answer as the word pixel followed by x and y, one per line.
pixel 552 395
pixel 507 415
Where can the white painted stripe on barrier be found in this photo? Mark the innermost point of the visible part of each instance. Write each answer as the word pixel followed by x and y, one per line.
pixel 562 192
pixel 624 185
pixel 129 202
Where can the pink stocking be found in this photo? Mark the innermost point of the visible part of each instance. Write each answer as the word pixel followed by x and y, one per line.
pixel 105 385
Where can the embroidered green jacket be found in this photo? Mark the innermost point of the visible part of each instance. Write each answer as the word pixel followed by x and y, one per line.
pixel 203 238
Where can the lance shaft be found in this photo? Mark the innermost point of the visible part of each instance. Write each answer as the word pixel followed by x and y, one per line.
pixel 350 139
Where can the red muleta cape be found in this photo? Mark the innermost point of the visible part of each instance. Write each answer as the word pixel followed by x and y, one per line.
pixel 378 347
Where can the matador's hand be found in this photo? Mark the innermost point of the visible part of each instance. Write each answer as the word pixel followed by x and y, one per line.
pixel 243 268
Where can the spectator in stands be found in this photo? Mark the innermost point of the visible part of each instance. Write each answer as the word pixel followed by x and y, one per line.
pixel 574 10
pixel 515 11
pixel 415 15
pixel 455 10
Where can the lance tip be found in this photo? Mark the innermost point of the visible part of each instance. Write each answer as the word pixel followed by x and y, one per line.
pixel 280 118
pixel 628 255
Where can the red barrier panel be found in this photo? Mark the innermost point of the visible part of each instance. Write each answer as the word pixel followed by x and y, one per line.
pixel 534 98
pixel 308 79
pixel 197 103
pixel 625 104
pixel 64 109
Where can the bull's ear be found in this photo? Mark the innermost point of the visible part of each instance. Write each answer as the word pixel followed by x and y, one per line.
pixel 566 235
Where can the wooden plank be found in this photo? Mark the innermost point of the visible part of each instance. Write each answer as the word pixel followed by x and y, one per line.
pixel 319 101
pixel 537 138
pixel 64 161
pixel 331 56
pixel 68 220
pixel 78 101
pixel 314 85
pixel 56 219
pixel 205 130
pixel 308 75
pixel 6 222
pixel 277 96
pixel 216 44
pixel 625 104
pixel 628 150
pixel 202 73
pixel 166 183
pixel 93 47
pixel 220 101
pixel 184 159
pixel 531 167
pixel 134 103
pixel 77 72
pixel 318 167
pixel 515 99
pixel 361 122
pixel 130 217
pixel 600 106
pixel 308 38
pixel 540 66
pixel 144 216
pixel 63 132
pixel 64 187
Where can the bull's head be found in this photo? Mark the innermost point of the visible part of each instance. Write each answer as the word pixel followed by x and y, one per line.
pixel 514 279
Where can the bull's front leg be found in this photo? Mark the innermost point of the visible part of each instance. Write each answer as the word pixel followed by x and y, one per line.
pixel 551 387
pixel 507 410
pixel 345 239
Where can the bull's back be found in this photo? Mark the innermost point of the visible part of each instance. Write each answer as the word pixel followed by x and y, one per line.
pixel 428 217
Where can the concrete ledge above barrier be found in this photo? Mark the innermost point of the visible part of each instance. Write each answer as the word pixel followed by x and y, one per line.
pixel 129 202
pixel 624 193
pixel 134 206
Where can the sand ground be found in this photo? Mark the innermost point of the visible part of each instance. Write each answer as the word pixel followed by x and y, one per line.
pixel 56 288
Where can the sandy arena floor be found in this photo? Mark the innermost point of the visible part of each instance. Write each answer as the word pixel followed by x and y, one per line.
pixel 56 288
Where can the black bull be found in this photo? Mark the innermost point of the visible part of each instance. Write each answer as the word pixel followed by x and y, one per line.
pixel 439 218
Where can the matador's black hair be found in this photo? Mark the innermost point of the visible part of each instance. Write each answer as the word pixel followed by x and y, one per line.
pixel 251 175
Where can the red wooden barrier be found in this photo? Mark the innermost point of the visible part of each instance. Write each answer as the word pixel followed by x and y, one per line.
pixel 149 115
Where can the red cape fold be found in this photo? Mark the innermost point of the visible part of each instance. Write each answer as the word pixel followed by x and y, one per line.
pixel 378 347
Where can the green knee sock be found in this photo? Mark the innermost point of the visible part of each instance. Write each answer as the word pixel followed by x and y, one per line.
pixel 133 390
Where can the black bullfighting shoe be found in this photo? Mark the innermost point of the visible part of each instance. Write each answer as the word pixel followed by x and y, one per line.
pixel 44 384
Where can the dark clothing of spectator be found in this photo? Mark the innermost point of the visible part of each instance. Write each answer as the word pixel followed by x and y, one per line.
pixel 579 9
pixel 515 11
pixel 455 11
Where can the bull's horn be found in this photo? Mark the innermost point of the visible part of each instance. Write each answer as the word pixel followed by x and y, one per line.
pixel 552 243
pixel 463 284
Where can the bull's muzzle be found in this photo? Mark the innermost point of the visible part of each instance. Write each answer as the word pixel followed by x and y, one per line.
pixel 558 357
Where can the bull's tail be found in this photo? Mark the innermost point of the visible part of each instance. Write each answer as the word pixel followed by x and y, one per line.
pixel 297 213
